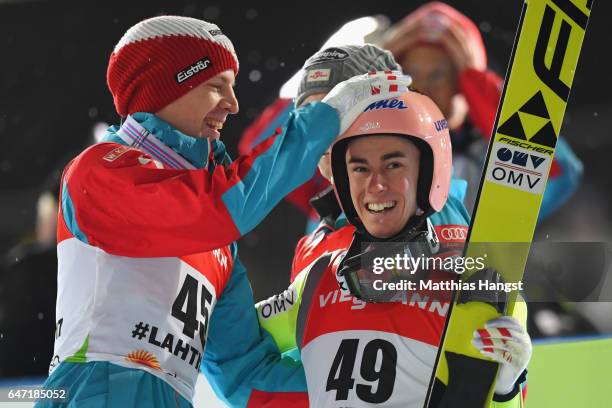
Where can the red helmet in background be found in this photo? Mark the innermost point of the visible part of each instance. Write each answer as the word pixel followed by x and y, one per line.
pixel 433 19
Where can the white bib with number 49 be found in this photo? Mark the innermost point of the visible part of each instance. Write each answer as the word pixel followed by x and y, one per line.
pixel 367 368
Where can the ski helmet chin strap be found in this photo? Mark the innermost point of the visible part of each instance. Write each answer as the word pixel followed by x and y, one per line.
pixel 414 225
pixel 363 271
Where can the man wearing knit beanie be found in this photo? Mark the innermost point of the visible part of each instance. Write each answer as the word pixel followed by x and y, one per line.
pixel 148 268
pixel 330 66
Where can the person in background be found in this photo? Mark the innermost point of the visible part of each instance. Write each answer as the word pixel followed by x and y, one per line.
pixel 28 286
pixel 443 51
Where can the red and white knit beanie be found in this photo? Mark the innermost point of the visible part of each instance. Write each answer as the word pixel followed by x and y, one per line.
pixel 160 59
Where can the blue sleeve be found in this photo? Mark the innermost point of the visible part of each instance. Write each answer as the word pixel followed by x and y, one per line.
pixel 561 188
pixel 282 163
pixel 240 357
pixel 454 212
pixel 281 117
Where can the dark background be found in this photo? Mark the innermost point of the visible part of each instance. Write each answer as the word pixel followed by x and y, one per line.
pixel 53 91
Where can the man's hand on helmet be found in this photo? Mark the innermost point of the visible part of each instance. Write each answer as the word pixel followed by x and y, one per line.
pixel 351 97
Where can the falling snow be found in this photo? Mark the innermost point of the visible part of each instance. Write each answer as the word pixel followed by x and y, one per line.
pixel 211 13
pixel 485 26
pixel 255 75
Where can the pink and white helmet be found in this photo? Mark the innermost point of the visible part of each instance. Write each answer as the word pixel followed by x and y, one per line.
pixel 412 115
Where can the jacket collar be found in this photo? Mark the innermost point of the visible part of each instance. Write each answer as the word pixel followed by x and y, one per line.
pixel 164 143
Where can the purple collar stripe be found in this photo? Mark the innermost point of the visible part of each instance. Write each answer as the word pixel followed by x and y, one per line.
pixel 150 148
pixel 132 140
pixel 156 145
pixel 137 136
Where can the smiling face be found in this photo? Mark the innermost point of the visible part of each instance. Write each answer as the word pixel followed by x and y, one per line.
pixel 383 173
pixel 202 111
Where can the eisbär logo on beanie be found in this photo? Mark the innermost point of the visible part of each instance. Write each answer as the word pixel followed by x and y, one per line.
pixel 192 70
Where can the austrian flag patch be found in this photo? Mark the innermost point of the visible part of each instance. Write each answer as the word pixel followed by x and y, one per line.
pixel 116 153
pixel 318 75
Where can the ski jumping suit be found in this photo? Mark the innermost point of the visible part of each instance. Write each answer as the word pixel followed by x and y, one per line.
pixel 338 337
pixel 148 268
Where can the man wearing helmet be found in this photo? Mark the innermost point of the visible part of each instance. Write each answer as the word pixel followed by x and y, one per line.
pixel 391 172
pixel 331 233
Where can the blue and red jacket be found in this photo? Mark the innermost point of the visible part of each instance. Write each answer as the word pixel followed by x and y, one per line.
pixel 149 276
